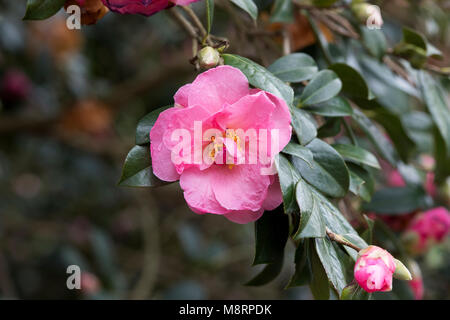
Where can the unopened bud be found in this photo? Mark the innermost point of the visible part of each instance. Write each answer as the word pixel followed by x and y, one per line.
pixel 208 57
pixel 368 14
pixel 401 272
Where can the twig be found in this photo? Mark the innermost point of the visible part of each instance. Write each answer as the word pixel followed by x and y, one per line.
pixel 199 24
pixel 184 23
pixel 286 41
pixel 339 239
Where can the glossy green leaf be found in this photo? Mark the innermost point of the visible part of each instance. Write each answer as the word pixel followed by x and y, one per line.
pixel 415 38
pixel 375 41
pixel 299 151
pixel 397 201
pixel 260 77
pixel 353 84
pixel 282 11
pixel 322 87
pixel 209 14
pixel 248 6
pixel 271 233
pixel 442 158
pixel 361 182
pixel 304 126
pixel 319 285
pixel 311 224
pixel 270 272
pixel 329 174
pixel 379 140
pixel 330 128
pixel 288 177
pixel 146 124
pixel 436 103
pixel 334 261
pixel 354 292
pixel 42 9
pixel 137 169
pixel 295 67
pixel 335 107
pixel 367 235
pixel 302 275
pixel 357 154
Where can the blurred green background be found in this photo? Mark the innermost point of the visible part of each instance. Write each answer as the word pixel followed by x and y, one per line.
pixel 62 143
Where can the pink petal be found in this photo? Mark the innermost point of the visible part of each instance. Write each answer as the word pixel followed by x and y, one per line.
pixel 217 86
pixel 250 112
pixel 162 164
pixel 198 190
pixel 240 188
pixel 245 216
pixel 281 120
pixel 274 196
pixel 181 96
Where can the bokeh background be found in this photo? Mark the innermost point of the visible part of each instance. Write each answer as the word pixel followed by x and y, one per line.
pixel 65 131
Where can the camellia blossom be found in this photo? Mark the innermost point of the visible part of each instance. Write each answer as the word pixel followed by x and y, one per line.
pixel 374 269
pixel 430 227
pixel 220 100
pixel 144 7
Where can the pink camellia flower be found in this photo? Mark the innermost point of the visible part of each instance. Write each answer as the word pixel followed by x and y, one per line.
pixel 430 227
pixel 220 100
pixel 144 7
pixel 374 269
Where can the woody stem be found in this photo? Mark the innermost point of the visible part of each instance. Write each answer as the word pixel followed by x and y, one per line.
pixel 339 239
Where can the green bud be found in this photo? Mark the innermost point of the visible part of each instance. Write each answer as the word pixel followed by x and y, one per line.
pixel 401 272
pixel 208 57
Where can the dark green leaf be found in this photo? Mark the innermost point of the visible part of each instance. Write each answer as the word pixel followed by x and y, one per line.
pixel 259 77
pixel 354 292
pixel 270 272
pixel 322 87
pixel 282 11
pixel 437 106
pixel 299 151
pixel 137 169
pixel 288 177
pixel 303 125
pixel 361 182
pixel 335 107
pixel 375 41
pixel 353 84
pixel 296 67
pixel 311 224
pixel 357 154
pixel 442 158
pixel 367 235
pixel 330 128
pixel 42 9
pixel 248 6
pixel 334 261
pixel 401 200
pixel 379 140
pixel 329 173
pixel 146 124
pixel 302 275
pixel 413 37
pixel 319 285
pixel 209 14
pixel 271 233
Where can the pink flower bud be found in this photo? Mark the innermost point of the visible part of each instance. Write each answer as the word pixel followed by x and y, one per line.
pixel 374 269
pixel 395 179
pixel 430 227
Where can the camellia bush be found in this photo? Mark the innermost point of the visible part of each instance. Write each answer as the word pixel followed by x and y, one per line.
pixel 343 150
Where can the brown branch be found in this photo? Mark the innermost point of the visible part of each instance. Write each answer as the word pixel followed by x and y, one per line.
pixel 339 239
